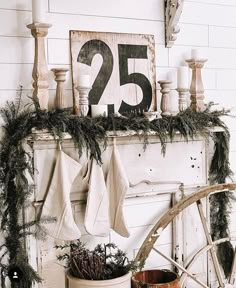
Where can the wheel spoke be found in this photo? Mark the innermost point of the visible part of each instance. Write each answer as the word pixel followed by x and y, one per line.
pixel 232 278
pixel 210 242
pixel 200 252
pixel 181 268
pixel 177 252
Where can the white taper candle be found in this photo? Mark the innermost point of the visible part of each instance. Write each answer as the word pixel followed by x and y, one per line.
pixel 84 80
pixel 195 54
pixel 182 77
pixel 38 11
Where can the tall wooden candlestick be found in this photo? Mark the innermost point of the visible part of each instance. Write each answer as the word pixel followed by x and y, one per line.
pixel 165 101
pixel 40 70
pixel 60 78
pixel 197 88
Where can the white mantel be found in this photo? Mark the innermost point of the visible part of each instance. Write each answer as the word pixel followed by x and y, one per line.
pixel 185 163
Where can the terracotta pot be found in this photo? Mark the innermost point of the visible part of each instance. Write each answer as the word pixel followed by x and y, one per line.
pixel 120 282
pixel 155 279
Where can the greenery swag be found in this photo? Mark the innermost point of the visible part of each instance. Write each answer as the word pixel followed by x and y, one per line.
pixel 89 134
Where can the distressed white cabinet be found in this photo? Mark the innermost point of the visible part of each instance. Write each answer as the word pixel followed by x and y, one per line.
pixel 184 162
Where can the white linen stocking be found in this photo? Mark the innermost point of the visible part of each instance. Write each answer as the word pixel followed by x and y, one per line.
pixel 97 209
pixel 117 186
pixel 57 203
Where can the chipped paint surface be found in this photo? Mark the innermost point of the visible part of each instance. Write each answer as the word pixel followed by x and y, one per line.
pixel 153 181
pixel 158 232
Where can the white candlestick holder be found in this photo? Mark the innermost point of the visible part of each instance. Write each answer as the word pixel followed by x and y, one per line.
pixel 40 70
pixel 197 88
pixel 82 103
pixel 60 78
pixel 165 99
pixel 183 96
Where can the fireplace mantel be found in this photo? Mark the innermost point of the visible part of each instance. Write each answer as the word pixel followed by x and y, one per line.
pixel 182 169
pixel 44 135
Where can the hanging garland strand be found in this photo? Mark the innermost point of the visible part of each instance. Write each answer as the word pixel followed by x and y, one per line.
pixel 14 191
pixel 90 135
pixel 221 202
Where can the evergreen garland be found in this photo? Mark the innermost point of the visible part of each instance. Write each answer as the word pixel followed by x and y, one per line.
pixel 221 202
pixel 89 134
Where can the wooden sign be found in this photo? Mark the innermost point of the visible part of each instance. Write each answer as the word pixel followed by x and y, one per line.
pixel 121 66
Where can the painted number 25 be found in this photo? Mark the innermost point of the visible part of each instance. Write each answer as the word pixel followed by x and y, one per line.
pixel 125 52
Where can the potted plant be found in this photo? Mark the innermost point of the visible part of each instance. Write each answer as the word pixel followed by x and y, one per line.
pixel 104 266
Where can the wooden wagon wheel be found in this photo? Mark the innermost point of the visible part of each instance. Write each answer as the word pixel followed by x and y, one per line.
pixel 169 216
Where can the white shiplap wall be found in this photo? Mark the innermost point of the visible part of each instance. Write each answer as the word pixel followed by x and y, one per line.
pixel 206 24
pixel 209 25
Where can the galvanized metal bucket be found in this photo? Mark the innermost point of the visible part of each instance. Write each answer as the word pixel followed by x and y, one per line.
pixel 155 279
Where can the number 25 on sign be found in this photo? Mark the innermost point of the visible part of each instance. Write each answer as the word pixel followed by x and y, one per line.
pixel 122 68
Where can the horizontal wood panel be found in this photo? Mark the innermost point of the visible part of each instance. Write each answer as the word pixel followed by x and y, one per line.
pixel 145 213
pixel 226 79
pixel 193 35
pixel 16 50
pixel 138 235
pixel 13 75
pixel 13 23
pixel 215 37
pixel 215 2
pixel 93 23
pixel 152 9
pixel 218 58
pixel 198 13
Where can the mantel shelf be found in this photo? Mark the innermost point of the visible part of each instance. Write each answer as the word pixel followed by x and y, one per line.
pixel 45 135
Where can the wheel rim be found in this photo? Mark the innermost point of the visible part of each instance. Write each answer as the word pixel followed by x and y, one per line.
pixel 169 216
